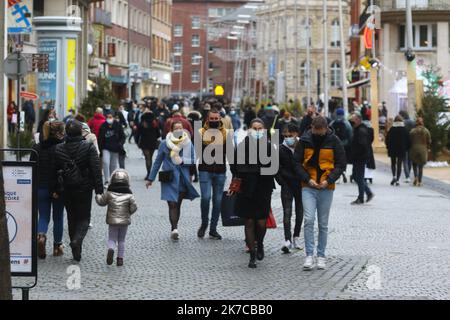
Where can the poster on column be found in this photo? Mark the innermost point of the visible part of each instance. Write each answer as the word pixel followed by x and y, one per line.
pixel 47 81
pixel 71 73
pixel 21 216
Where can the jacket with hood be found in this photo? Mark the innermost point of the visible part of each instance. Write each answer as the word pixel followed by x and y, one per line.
pixel 286 174
pixel 397 140
pixel 96 122
pixel 319 162
pixel 148 132
pixel 119 199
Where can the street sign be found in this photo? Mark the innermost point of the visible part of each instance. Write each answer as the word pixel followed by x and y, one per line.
pixel 19 16
pixel 29 95
pixel 15 66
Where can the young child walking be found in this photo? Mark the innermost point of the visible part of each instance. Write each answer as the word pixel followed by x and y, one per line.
pixel 121 205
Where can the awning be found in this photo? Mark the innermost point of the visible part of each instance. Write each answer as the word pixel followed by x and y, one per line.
pixel 357 84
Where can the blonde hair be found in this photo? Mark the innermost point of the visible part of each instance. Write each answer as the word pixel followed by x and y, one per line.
pixel 99 110
pixel 53 129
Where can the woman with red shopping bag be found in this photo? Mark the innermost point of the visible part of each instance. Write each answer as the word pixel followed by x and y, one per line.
pixel 256 184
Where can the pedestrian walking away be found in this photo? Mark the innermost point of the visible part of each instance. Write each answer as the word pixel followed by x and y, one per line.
pixel 319 161
pixel 407 163
pixel 49 202
pixel 78 173
pixel 148 134
pixel 175 155
pixel 253 201
pixel 121 205
pixel 344 131
pixel 420 139
pixel 290 188
pixel 398 144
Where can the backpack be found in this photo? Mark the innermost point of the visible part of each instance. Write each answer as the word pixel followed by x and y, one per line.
pixel 70 175
pixel 340 130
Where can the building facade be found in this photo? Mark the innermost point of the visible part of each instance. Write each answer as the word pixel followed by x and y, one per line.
pixel 282 31
pixel 198 69
pixel 431 45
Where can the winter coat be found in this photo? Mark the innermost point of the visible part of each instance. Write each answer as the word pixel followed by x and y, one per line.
pixel 305 124
pixel 249 115
pixel 235 121
pixel 46 163
pixel 86 159
pixel 397 140
pixel 330 164
pixel 111 137
pixel 219 165
pixel 343 130
pixel 420 142
pixel 227 123
pixel 30 114
pixel 96 122
pixel 361 145
pixel 170 190
pixel 286 174
pixel 148 132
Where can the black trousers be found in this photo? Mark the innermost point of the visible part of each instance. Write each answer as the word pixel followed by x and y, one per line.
pixel 287 197
pixel 78 206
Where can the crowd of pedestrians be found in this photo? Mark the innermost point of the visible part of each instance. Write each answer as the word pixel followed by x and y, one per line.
pixel 77 158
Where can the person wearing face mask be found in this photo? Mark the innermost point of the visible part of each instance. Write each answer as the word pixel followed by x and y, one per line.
pixel 290 188
pixel 253 199
pixel 319 162
pixel 212 176
pixel 235 120
pixel 110 142
pixel 107 110
pixel 176 154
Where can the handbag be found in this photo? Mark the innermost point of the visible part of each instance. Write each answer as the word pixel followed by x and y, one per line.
pixel 165 176
pixel 271 222
pixel 228 211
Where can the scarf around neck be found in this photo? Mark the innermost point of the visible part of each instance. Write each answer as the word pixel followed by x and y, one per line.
pixel 209 138
pixel 175 145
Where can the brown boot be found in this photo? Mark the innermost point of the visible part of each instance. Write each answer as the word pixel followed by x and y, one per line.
pixel 58 250
pixel 119 262
pixel 42 240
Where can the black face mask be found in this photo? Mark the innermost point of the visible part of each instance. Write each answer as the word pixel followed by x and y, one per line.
pixel 318 139
pixel 214 124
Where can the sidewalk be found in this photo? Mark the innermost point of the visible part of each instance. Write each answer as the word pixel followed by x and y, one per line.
pixel 440 174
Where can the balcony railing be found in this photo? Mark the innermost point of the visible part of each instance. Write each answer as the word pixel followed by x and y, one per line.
pixel 102 17
pixel 399 5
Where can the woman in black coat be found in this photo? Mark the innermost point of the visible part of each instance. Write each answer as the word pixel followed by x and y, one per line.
pixel 398 144
pixel 253 201
pixel 147 136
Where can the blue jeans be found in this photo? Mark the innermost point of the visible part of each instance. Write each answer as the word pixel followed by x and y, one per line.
pixel 359 168
pixel 320 201
pixel 45 204
pixel 215 182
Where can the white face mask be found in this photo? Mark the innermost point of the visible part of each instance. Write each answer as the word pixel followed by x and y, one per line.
pixel 110 121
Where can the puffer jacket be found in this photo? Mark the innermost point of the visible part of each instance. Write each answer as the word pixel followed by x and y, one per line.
pixel 45 162
pixel 119 199
pixel 87 160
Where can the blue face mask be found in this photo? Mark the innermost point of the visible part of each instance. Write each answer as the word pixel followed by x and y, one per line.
pixel 257 134
pixel 233 113
pixel 290 141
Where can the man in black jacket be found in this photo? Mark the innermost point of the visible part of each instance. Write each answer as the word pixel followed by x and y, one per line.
pixel 290 188
pixel 78 198
pixel 360 154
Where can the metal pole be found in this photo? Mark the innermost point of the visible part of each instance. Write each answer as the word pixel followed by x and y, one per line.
pixel 308 55
pixel 343 60
pixel 202 65
pixel 19 76
pixel 129 51
pixel 325 58
pixel 296 47
pixel 285 51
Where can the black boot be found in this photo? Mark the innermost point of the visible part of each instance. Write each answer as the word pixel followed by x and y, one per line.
pixel 252 263
pixel 260 252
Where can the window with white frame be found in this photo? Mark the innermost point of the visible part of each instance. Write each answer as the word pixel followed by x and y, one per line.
pixel 335 34
pixel 195 40
pixel 177 66
pixel 303 74
pixel 178 48
pixel 195 76
pixel 195 59
pixel 195 23
pixel 335 74
pixel 178 30
pixel 424 36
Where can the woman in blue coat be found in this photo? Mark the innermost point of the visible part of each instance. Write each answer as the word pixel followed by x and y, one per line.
pixel 176 154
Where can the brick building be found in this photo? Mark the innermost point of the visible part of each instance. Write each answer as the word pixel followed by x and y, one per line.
pixel 195 63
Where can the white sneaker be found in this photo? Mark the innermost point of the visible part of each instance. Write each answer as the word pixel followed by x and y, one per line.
pixel 321 263
pixel 174 235
pixel 309 263
pixel 296 244
pixel 407 180
pixel 287 247
pixel 90 225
